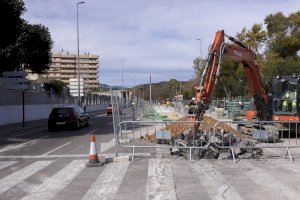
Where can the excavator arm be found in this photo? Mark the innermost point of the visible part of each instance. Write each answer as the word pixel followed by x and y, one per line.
pixel 240 53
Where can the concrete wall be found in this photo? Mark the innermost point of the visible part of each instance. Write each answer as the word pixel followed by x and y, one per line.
pixel 13 114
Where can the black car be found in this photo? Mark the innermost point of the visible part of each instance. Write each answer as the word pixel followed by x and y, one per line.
pixel 72 116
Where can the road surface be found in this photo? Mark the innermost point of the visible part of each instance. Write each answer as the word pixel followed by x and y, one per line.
pixel 42 165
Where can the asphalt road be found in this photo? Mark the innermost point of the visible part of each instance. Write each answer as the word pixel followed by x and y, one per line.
pixel 41 142
pixel 41 165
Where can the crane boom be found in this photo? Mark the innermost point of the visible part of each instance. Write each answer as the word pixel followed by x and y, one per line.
pixel 238 52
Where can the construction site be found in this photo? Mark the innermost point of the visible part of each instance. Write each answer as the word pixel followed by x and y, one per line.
pixel 157 100
pixel 208 128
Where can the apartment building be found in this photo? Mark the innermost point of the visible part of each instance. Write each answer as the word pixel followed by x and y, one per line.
pixel 64 68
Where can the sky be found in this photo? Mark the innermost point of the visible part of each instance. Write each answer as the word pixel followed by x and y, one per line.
pixel 152 36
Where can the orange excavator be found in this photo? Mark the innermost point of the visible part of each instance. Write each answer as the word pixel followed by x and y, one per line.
pixel 239 52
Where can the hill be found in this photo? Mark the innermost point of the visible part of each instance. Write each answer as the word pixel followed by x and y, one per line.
pixel 165 89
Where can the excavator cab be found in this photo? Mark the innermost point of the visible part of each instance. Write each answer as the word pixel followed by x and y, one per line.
pixel 286 99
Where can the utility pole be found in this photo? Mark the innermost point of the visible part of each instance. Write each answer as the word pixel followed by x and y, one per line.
pixel 123 99
pixel 78 68
pixel 134 87
pixel 122 74
pixel 180 83
pixel 143 92
pixel 173 88
pixel 150 89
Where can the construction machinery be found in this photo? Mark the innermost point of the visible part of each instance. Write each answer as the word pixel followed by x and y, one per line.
pixel 285 98
pixel 282 105
pixel 239 52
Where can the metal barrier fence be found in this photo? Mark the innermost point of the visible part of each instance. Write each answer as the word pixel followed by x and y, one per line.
pixel 233 136
pixel 159 134
pixel 253 135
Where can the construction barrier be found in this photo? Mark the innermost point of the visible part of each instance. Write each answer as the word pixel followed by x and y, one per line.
pixel 132 129
pixel 163 134
pixel 252 135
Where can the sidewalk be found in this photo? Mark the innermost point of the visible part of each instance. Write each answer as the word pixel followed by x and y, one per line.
pixel 10 129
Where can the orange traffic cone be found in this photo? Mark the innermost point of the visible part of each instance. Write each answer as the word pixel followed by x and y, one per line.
pixel 93 157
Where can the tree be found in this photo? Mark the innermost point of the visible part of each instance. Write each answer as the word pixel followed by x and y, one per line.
pixel 198 66
pixel 55 86
pixel 232 80
pixel 255 37
pixel 276 46
pixel 35 47
pixel 22 45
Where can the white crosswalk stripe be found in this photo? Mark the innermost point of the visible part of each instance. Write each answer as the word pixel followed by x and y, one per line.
pixel 53 185
pixel 160 181
pixel 264 178
pixel 216 186
pixel 21 145
pixel 108 182
pixel 13 179
pixel 4 164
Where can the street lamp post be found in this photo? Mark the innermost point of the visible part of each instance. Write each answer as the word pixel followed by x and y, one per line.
pixel 78 68
pixel 123 99
pixel 200 60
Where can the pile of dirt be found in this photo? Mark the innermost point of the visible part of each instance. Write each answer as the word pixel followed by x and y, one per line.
pixel 210 122
pixel 149 138
pixel 178 128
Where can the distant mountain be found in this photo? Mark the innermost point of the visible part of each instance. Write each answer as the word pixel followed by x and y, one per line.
pixel 103 85
pixel 107 87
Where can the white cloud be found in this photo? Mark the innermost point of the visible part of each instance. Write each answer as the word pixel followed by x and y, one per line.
pixel 153 36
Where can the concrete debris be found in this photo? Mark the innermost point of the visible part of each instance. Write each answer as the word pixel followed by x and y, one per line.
pixel 217 145
pixel 217 149
pixel 263 133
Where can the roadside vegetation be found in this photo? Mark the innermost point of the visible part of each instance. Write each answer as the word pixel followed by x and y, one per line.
pixel 276 42
pixel 22 45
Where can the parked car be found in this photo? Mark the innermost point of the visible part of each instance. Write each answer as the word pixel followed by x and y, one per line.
pixel 70 117
pixel 109 110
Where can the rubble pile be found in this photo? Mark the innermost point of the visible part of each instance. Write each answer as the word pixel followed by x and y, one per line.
pixel 181 135
pixel 219 149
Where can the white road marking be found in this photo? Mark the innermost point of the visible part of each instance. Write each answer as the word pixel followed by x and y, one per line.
pixel 68 155
pixel 13 179
pixel 4 164
pixel 33 131
pixel 18 146
pixel 262 177
pixel 214 181
pixel 99 115
pixel 160 180
pixel 62 146
pixel 107 145
pixel 108 182
pixel 52 186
